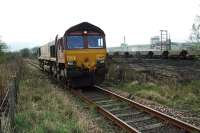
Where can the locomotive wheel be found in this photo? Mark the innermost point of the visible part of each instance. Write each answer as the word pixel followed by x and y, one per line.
pixel 58 77
pixel 150 54
pixel 165 54
pixel 183 54
pixel 51 71
pixel 42 66
pixel 68 85
pixel 54 71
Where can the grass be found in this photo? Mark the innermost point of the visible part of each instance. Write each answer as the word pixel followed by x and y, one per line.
pixel 8 56
pixel 184 97
pixel 42 109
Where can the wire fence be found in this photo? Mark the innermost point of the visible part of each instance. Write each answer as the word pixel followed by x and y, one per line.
pixel 8 105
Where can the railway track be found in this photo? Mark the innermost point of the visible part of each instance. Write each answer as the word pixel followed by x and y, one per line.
pixel 130 115
pixel 33 64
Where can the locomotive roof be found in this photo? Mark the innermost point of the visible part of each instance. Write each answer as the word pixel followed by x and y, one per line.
pixel 48 44
pixel 84 26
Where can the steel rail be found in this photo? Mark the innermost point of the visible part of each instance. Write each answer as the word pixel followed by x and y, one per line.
pixel 34 64
pixel 107 114
pixel 178 123
pixel 4 99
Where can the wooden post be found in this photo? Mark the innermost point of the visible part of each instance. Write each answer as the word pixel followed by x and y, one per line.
pixel 16 87
pixel 11 101
pixel 18 80
pixel 0 126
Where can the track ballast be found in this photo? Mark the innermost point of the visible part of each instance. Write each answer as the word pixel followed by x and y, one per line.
pixel 130 115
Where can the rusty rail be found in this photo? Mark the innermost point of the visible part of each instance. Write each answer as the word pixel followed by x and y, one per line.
pixel 107 114
pixel 165 118
pixel 183 125
pixel 8 107
pixel 33 64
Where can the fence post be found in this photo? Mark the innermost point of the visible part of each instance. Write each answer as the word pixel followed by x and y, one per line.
pixel 16 87
pixel 0 127
pixel 12 104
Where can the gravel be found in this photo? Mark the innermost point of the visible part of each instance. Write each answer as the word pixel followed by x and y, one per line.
pixel 183 115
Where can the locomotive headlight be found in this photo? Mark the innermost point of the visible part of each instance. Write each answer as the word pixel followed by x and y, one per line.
pixel 101 61
pixel 71 60
pixel 71 63
pixel 85 32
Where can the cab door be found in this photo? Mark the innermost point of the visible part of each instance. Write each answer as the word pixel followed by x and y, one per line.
pixel 60 51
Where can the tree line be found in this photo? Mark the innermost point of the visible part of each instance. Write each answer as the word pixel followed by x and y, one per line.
pixel 3 47
pixel 29 53
pixel 6 55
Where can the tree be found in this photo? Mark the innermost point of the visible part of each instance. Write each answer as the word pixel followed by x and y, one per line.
pixel 3 47
pixel 34 52
pixel 25 52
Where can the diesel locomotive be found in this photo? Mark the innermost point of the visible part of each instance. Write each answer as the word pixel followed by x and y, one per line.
pixel 78 57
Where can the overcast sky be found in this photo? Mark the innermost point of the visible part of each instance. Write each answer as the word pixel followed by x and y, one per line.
pixel 27 23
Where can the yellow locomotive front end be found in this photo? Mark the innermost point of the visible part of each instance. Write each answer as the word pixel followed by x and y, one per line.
pixel 85 59
pixel 85 55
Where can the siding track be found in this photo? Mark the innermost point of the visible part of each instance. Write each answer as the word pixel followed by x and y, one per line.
pixel 130 115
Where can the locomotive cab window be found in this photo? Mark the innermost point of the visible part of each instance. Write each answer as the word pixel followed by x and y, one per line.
pixel 95 42
pixel 75 42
